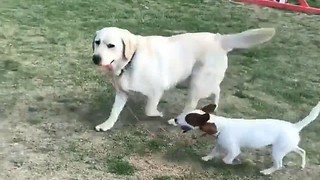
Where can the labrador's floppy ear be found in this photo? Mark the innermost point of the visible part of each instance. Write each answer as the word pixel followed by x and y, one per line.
pixel 94 37
pixel 129 42
pixel 209 128
pixel 93 40
pixel 195 119
pixel 209 108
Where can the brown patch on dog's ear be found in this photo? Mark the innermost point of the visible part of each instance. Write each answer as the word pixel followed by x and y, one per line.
pixel 209 128
pixel 195 119
pixel 209 108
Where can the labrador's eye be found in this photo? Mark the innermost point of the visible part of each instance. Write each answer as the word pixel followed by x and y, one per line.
pixel 97 42
pixel 110 45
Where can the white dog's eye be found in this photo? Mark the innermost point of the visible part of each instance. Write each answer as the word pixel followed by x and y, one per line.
pixel 110 45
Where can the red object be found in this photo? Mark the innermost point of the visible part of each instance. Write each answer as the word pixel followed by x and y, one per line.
pixel 302 7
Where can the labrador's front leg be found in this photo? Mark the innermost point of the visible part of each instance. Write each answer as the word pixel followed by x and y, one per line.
pixel 119 103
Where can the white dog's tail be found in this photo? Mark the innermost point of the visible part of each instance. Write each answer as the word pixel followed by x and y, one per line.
pixel 246 39
pixel 311 117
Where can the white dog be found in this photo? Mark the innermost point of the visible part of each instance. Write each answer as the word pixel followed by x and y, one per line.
pixel 152 64
pixel 234 134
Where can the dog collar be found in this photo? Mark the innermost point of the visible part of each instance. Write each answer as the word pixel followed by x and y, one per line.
pixel 127 65
pixel 217 134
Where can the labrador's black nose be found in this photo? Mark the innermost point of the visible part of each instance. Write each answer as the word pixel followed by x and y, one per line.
pixel 96 59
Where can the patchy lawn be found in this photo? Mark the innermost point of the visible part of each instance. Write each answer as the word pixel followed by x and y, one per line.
pixel 52 95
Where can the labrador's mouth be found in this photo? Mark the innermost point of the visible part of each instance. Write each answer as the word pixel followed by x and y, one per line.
pixel 107 66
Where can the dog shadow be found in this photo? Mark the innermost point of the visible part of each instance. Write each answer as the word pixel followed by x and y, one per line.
pixel 244 169
pixel 186 153
pixel 92 114
pixel 132 114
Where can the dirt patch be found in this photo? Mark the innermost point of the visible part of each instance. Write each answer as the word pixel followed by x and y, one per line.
pixel 150 167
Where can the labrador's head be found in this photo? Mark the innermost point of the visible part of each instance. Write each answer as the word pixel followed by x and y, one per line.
pixel 197 119
pixel 113 48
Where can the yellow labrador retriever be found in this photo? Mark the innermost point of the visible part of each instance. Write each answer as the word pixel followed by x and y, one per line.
pixel 152 64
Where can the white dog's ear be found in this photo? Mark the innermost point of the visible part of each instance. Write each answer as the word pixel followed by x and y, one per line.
pixel 209 108
pixel 195 119
pixel 129 42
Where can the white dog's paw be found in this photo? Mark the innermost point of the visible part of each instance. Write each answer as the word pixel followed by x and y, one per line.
pixel 227 160
pixel 104 126
pixel 154 113
pixel 265 172
pixel 206 158
pixel 268 171
pixel 172 122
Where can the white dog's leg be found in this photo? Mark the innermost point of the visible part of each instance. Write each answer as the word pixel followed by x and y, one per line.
pixel 119 103
pixel 277 164
pixel 302 153
pixel 152 105
pixel 233 152
pixel 172 122
pixel 277 156
pixel 216 151
pixel 216 93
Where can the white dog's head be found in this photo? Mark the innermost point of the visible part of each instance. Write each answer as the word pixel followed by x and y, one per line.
pixel 197 119
pixel 113 48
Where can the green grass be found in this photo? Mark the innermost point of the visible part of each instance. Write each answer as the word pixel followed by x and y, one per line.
pixel 164 178
pixel 119 166
pixel 52 96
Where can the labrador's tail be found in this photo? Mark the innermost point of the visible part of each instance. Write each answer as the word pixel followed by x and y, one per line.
pixel 246 39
